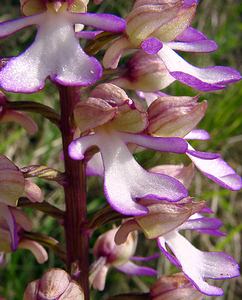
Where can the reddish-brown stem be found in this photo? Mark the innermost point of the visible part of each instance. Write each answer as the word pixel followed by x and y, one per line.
pixel 77 240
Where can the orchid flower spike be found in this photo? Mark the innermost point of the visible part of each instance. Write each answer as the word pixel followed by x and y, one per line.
pixel 174 287
pixel 54 284
pixel 56 52
pixel 115 122
pixel 13 222
pixel 160 27
pixel 108 255
pixel 195 264
pixel 178 116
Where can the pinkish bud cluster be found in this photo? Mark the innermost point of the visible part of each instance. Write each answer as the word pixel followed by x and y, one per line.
pixel 54 284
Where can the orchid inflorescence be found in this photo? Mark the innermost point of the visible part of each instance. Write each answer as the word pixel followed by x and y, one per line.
pixel 110 112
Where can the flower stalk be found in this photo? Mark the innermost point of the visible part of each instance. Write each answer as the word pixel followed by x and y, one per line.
pixel 77 238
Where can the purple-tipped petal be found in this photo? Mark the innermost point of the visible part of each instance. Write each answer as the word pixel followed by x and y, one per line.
pixel 175 145
pixel 217 170
pixel 204 225
pixel 162 245
pixel 191 35
pixel 10 27
pixel 133 269
pixel 79 146
pixel 198 265
pixel 88 35
pixel 203 155
pixel 147 258
pixel 196 46
pixel 105 22
pixel 198 134
pixel 204 79
pixel 151 45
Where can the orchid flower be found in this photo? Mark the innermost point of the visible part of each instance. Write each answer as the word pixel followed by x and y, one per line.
pixel 114 126
pixel 162 27
pixel 195 264
pixel 56 52
pixel 12 224
pixel 198 265
pixel 177 116
pixel 108 255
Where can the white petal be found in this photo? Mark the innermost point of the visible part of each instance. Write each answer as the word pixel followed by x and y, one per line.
pixel 78 147
pixel 95 166
pixel 56 53
pixel 198 265
pixel 9 27
pixel 198 134
pixel 205 79
pixel 175 145
pixel 217 170
pixel 125 180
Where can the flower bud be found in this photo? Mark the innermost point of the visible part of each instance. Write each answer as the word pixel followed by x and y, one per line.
pixel 100 108
pixel 161 19
pixel 145 73
pixel 109 254
pixel 32 7
pixel 174 287
pixel 115 255
pixel 109 105
pixel 54 284
pixel 175 116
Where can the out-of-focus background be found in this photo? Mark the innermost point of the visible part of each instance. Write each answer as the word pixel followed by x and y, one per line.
pixel 219 20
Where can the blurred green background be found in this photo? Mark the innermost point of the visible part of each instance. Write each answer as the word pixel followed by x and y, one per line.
pixel 219 20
